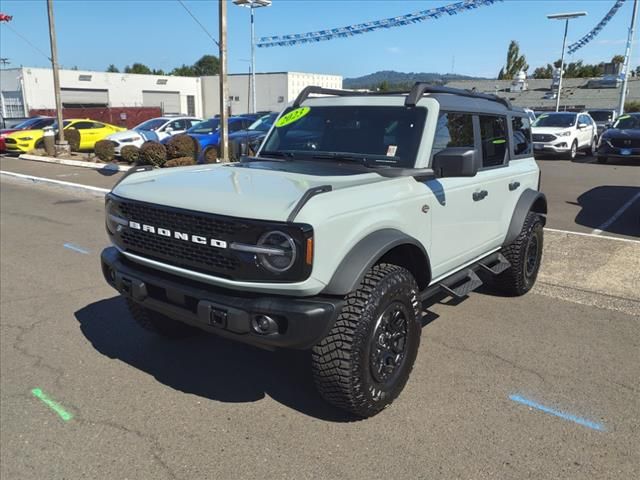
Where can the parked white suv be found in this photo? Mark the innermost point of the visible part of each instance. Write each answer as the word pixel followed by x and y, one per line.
pixel 356 209
pixel 153 129
pixel 565 134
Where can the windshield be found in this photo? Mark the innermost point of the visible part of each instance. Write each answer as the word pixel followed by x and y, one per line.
pixel 556 120
pixel 152 125
pixel 601 115
pixel 263 124
pixel 376 135
pixel 208 126
pixel 628 122
pixel 33 123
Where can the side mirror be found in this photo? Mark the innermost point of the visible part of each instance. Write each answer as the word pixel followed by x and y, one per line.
pixel 168 130
pixel 582 126
pixel 456 162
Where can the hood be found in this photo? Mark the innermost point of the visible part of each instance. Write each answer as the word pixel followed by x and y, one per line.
pixel 550 130
pixel 618 133
pixel 232 190
pixel 124 134
pixel 26 133
pixel 7 131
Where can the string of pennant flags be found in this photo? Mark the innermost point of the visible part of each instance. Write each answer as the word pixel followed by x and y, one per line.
pixel 344 32
pixel 574 47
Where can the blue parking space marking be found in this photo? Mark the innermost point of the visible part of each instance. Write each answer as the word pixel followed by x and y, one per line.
pixel 565 416
pixel 76 248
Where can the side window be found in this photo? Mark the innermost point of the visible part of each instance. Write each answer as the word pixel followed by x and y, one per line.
pixel 82 125
pixel 493 131
pixel 178 125
pixel 521 141
pixel 193 122
pixel 235 126
pixel 453 130
pixel 97 125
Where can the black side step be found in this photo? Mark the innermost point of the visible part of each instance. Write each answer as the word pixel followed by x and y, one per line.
pixel 495 266
pixel 463 287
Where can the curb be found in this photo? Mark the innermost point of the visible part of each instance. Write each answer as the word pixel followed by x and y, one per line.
pixel 76 163
pixel 54 182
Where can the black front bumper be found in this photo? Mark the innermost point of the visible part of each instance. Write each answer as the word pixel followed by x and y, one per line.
pixel 606 150
pixel 302 322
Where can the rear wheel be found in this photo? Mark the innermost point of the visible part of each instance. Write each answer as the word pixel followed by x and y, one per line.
pixel 364 362
pixel 525 256
pixel 593 147
pixel 158 323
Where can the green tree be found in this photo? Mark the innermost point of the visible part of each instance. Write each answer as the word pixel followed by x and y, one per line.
pixel 184 71
pixel 515 62
pixel 207 65
pixel 383 86
pixel 618 59
pixel 137 68
pixel 113 69
pixel 158 71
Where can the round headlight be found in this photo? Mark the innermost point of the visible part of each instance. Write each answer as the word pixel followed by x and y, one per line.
pixel 283 254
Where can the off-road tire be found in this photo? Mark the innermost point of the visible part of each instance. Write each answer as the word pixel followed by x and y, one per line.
pixel 158 323
pixel 520 277
pixel 573 153
pixel 343 362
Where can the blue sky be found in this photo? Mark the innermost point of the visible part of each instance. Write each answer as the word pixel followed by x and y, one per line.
pixel 159 33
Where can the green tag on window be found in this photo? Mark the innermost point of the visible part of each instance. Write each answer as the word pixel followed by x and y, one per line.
pixel 292 116
pixel 500 141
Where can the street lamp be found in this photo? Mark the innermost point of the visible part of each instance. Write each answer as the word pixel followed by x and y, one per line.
pixel 253 4
pixel 566 17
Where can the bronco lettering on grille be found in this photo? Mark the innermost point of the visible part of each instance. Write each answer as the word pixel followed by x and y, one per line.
pixel 178 235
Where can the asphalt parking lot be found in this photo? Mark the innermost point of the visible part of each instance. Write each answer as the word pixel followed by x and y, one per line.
pixel 545 386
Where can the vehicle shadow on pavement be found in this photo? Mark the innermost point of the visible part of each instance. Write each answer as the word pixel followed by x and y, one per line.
pixel 205 365
pixel 600 204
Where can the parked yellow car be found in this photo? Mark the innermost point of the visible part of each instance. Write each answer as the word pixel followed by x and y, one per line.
pixel 91 131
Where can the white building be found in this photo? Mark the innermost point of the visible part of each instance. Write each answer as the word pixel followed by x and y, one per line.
pixel 273 90
pixel 24 89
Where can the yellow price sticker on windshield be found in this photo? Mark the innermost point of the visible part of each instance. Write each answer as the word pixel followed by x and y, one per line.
pixel 292 116
pixel 623 117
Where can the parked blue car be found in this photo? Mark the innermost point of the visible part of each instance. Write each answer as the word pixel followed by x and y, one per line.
pixel 242 129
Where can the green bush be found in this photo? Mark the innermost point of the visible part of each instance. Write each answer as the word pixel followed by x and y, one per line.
pixel 179 162
pixel 130 153
pixel 105 150
pixel 72 136
pixel 183 145
pixel 152 153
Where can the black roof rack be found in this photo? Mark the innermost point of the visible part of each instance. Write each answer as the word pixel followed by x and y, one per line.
pixel 421 88
pixel 411 100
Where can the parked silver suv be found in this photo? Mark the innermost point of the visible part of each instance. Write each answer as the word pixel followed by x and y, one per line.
pixel 356 209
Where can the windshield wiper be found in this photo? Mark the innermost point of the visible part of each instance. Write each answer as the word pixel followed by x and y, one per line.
pixel 361 159
pixel 276 154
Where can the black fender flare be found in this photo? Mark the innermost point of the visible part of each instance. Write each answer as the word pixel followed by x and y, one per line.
pixel 530 201
pixel 364 255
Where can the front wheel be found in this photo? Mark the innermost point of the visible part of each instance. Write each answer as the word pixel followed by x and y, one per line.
pixel 364 362
pixel 573 153
pixel 525 256
pixel 593 147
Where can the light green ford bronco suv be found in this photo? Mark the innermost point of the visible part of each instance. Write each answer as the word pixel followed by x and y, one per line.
pixel 357 208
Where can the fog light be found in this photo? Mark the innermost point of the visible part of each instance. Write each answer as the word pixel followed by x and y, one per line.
pixel 264 325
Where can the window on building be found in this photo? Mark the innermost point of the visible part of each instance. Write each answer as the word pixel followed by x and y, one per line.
pixel 521 127
pixel 453 130
pixel 493 132
pixel 191 105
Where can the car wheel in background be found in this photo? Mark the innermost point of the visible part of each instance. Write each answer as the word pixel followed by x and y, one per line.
pixel 574 151
pixel 593 147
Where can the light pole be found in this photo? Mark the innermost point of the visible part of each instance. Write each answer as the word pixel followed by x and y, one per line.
pixel 627 58
pixel 253 4
pixel 62 145
pixel 566 17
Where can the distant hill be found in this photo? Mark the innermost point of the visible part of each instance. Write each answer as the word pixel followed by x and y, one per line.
pixel 394 78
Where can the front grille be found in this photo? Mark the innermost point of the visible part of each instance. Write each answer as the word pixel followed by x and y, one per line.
pixel 205 258
pixel 625 142
pixel 541 137
pixel 10 141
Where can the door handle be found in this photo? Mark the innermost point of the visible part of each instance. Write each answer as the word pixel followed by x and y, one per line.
pixel 477 196
pixel 514 185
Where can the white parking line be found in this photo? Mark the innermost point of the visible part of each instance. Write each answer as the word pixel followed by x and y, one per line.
pixel 616 215
pixel 593 235
pixel 55 182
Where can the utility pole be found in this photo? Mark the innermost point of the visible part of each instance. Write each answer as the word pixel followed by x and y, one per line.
pixel 224 89
pixel 62 145
pixel 627 58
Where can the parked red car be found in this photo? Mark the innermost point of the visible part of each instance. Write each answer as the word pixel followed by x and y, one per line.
pixel 35 123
